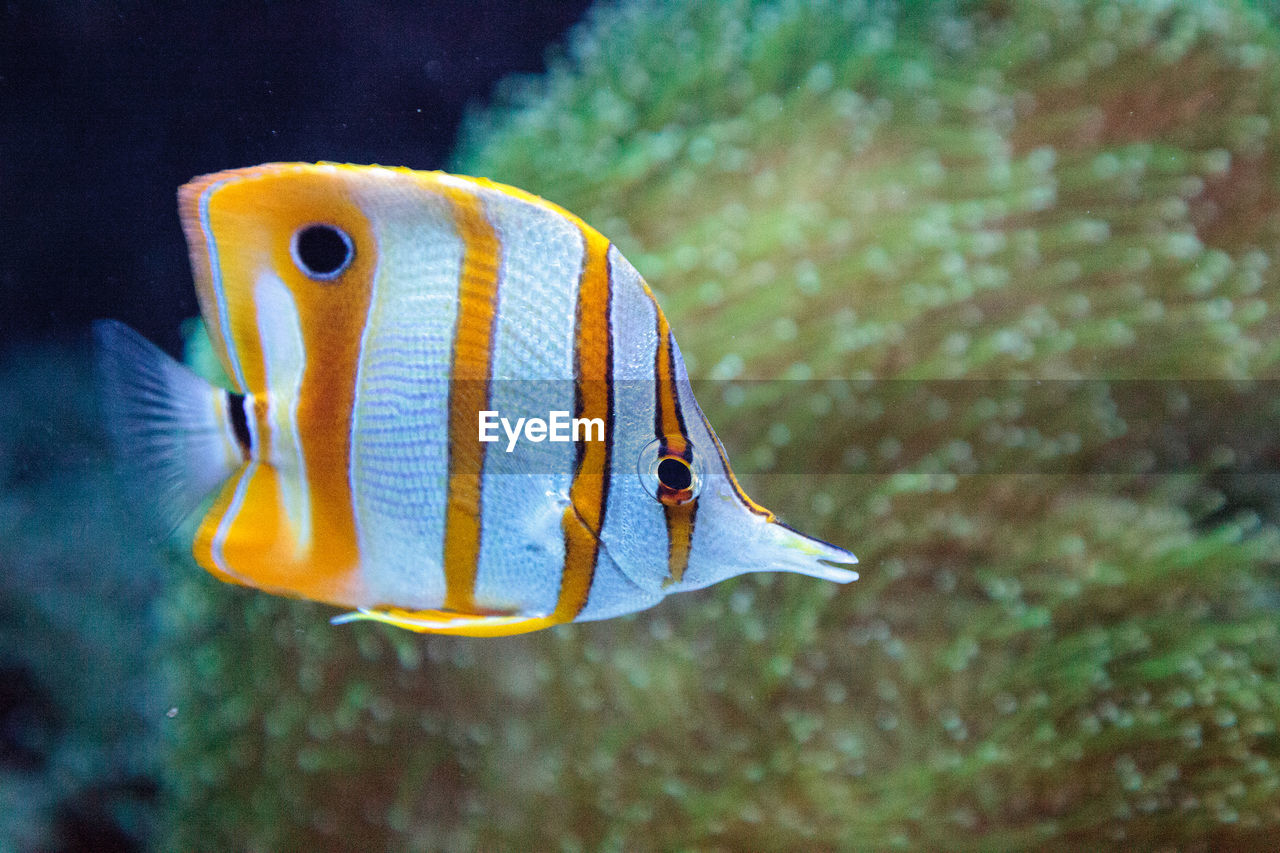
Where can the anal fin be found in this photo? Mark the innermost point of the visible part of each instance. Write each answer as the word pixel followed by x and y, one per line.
pixel 450 622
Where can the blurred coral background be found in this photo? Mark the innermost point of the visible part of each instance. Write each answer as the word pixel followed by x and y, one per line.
pixel 919 257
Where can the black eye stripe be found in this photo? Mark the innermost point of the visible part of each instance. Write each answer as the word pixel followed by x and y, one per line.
pixel 322 251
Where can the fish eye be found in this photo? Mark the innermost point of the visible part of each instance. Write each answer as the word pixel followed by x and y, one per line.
pixel 674 474
pixel 322 251
pixel 673 480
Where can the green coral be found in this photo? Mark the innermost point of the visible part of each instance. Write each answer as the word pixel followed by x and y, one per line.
pixel 1040 653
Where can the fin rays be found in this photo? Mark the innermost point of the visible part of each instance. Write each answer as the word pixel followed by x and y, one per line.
pixel 167 424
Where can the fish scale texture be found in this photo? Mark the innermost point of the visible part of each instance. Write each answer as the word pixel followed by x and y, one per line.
pixel 1044 650
pixel 402 506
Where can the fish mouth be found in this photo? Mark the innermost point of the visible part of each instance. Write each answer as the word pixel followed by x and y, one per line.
pixel 802 554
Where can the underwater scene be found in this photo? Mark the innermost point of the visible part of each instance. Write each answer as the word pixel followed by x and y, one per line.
pixel 983 292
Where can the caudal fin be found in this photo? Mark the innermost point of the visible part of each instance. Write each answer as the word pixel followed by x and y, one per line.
pixel 172 430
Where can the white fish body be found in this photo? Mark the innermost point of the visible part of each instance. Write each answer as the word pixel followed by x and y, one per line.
pixel 372 321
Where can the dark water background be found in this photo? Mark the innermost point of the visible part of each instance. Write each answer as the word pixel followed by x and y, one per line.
pixel 105 109
pixel 1004 268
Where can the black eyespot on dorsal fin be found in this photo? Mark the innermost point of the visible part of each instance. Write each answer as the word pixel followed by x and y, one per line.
pixel 322 251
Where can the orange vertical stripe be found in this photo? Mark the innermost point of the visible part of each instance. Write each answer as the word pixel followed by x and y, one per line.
pixel 670 425
pixel 583 520
pixel 254 237
pixel 680 520
pixel 468 395
pixel 674 438
pixel 332 320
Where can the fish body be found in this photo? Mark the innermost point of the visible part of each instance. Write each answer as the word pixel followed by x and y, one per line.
pixel 372 321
